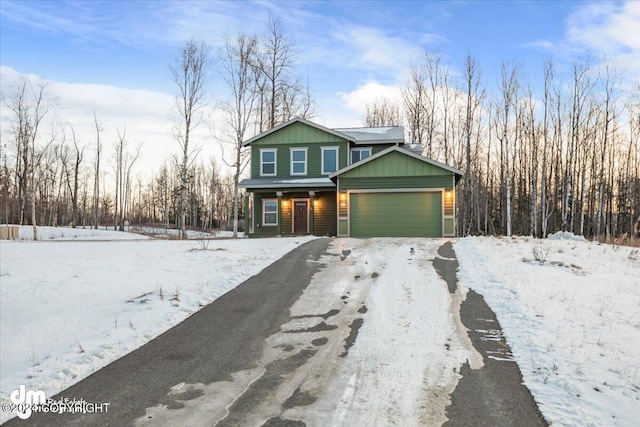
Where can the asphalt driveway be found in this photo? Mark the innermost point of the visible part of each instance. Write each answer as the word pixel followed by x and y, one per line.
pixel 225 336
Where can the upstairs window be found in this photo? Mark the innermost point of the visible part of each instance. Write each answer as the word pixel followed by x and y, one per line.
pixel 268 162
pixel 298 161
pixel 329 160
pixel 358 154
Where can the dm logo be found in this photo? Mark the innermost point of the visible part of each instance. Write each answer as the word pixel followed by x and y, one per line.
pixel 25 400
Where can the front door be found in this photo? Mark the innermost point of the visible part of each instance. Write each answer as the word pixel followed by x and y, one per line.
pixel 300 217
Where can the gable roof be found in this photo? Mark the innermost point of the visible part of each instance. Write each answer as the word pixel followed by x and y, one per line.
pixel 457 172
pixel 360 135
pixel 295 120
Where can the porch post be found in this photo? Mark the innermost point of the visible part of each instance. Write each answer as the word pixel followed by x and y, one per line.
pixel 279 210
pixel 312 212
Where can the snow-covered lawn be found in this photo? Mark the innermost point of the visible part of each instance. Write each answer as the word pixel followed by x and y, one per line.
pixel 573 322
pixel 67 233
pixel 68 308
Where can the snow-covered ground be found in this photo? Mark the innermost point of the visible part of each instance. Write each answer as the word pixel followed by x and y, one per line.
pixel 573 321
pixel 108 233
pixel 68 308
pixel 67 233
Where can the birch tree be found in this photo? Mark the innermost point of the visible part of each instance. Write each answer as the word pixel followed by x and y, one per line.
pixel 29 105
pixel 509 86
pixel 241 107
pixel 190 72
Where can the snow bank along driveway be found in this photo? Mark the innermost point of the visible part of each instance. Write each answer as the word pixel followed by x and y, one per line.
pixel 372 341
pixel 69 308
pixel 572 322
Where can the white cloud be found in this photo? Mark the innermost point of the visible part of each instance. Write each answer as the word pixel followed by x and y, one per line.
pixel 606 27
pixel 609 30
pixel 372 48
pixel 147 116
pixel 368 93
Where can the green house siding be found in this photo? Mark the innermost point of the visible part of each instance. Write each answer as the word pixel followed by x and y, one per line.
pixel 325 221
pixel 298 135
pixel 397 194
pixel 397 182
pixel 395 164
pixel 322 217
pixel 408 214
pixel 260 229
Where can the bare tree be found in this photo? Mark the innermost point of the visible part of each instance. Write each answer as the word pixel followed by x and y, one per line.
pixel 474 98
pixel 30 105
pixel 281 95
pixel 124 162
pixel 414 95
pixel 190 73
pixel 383 112
pixel 240 109
pixel 509 88
pixel 75 171
pixel 610 81
pixel 96 177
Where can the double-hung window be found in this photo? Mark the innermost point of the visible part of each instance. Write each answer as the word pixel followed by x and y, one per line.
pixel 358 154
pixel 329 160
pixel 268 162
pixel 298 161
pixel 270 211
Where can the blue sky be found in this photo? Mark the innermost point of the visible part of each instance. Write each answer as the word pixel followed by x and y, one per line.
pixel 113 56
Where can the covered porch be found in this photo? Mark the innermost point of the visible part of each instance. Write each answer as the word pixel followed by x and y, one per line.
pixel 297 209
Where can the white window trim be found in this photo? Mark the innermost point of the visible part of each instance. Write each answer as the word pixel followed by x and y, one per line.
pixel 306 158
pixel 264 222
pixel 359 149
pixel 275 161
pixel 337 150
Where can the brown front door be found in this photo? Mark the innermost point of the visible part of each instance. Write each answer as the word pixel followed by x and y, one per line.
pixel 300 217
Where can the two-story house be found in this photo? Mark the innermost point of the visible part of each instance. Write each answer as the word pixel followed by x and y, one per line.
pixel 357 182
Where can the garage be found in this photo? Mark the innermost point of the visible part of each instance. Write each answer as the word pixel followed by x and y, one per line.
pixel 396 214
pixel 396 193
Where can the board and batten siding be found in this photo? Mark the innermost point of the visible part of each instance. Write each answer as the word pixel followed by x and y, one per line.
pixel 395 164
pixel 298 135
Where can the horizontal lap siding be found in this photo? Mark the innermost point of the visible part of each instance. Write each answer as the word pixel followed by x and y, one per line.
pixel 325 222
pixel 325 215
pixel 259 229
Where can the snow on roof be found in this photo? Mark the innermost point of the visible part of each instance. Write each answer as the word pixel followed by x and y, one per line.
pixel 282 183
pixel 374 135
pixel 305 181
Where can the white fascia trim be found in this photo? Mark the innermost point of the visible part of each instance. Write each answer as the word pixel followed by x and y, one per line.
pixel 400 150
